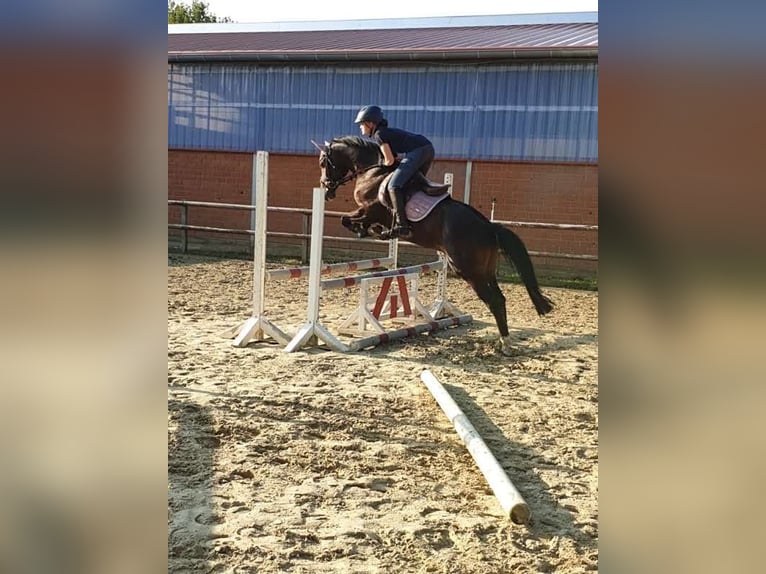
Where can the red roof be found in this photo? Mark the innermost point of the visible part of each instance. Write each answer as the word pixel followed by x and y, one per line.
pixel 467 42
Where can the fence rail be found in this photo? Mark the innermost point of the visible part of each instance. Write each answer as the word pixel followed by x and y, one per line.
pixel 306 236
pixel 276 209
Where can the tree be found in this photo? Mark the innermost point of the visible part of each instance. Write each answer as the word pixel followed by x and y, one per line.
pixel 197 12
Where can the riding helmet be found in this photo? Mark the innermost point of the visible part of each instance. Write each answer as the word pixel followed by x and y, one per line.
pixel 369 114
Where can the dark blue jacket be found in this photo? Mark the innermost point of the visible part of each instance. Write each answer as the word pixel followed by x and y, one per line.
pixel 400 141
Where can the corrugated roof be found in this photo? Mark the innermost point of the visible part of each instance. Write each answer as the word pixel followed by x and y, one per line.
pixel 466 42
pixel 390 23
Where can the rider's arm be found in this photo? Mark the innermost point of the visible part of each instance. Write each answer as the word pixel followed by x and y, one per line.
pixel 388 155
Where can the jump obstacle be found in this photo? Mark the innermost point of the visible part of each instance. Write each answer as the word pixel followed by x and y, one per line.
pixel 509 498
pixel 258 326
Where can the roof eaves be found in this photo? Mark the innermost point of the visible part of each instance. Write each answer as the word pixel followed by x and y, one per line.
pixel 462 54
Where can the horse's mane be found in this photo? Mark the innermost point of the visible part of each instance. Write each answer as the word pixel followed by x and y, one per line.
pixel 356 141
pixel 363 150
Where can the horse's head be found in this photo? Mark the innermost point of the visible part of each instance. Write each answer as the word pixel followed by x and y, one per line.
pixel 344 159
pixel 336 168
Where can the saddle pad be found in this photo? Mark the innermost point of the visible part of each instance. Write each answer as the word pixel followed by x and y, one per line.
pixel 418 205
pixel 421 204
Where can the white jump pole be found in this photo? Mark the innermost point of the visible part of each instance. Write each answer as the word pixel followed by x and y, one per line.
pixel 510 499
pixel 296 272
pixel 312 330
pixel 404 332
pixel 350 281
pixel 257 326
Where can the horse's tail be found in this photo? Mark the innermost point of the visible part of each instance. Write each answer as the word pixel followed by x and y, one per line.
pixel 517 255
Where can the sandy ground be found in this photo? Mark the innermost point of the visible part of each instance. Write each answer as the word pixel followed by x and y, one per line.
pixel 317 461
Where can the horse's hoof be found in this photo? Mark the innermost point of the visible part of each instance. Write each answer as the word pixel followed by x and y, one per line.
pixel 402 232
pixel 505 348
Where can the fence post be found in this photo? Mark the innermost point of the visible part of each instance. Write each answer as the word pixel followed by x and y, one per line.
pixel 184 231
pixel 467 187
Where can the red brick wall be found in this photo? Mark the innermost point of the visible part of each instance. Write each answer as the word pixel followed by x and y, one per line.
pixel 548 193
pixel 544 193
pixel 220 177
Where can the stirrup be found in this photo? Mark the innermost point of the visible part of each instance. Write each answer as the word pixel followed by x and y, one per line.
pixel 397 231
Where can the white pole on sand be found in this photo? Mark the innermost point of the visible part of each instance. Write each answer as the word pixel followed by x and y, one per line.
pixel 312 330
pixel 510 499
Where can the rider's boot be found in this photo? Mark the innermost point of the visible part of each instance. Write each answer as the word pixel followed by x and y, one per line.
pixel 401 226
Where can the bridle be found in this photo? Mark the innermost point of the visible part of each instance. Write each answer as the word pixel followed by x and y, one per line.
pixel 329 184
pixel 332 185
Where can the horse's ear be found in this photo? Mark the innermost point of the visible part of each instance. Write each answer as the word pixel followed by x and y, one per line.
pixel 326 143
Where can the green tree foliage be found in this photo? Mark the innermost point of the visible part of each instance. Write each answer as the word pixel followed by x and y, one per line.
pixel 197 12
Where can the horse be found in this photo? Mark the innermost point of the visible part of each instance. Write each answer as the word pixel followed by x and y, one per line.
pixel 468 239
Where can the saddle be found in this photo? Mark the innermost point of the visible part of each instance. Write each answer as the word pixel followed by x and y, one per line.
pixel 419 182
pixel 422 183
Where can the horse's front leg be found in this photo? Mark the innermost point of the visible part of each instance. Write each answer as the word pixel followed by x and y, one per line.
pixel 356 222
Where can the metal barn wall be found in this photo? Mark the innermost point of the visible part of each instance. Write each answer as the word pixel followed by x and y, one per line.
pixel 519 111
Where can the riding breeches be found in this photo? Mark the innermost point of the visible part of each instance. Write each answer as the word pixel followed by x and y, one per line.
pixel 419 159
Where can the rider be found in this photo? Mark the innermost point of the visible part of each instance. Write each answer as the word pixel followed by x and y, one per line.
pixel 419 156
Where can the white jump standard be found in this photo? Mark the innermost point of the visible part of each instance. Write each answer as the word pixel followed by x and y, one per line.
pixel 387 302
pixel 312 330
pixel 258 326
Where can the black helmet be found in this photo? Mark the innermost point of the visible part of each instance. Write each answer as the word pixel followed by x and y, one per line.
pixel 369 114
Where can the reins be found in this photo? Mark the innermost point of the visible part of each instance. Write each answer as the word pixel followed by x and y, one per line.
pixel 355 173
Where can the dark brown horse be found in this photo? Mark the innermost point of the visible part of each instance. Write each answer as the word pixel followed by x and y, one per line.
pixel 469 240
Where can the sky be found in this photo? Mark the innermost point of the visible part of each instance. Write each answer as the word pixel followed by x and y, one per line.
pixel 290 10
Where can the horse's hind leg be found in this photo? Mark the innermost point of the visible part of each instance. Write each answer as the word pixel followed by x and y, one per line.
pixel 474 258
pixel 490 293
pixel 501 317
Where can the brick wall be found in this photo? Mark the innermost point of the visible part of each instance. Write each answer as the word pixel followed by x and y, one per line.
pixel 545 193
pixel 219 177
pixel 549 193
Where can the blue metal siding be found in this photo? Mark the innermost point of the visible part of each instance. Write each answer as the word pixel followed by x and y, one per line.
pixel 519 111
